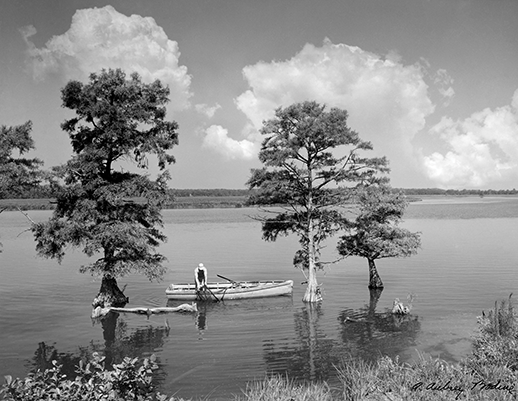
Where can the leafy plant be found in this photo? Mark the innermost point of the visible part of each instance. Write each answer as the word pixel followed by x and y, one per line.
pixel 496 343
pixel 129 380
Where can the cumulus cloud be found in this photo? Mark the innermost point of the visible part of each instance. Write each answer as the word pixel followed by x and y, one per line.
pixel 207 110
pixel 483 148
pixel 444 82
pixel 104 38
pixel 387 101
pixel 218 140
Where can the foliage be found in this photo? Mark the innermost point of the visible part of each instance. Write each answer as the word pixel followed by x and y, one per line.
pixel 496 343
pixel 311 159
pixel 210 192
pixel 426 379
pixel 277 388
pixel 17 174
pixel 458 192
pixel 100 208
pixel 129 380
pixel 374 233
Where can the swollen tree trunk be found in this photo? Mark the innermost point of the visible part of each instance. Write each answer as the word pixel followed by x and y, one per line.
pixel 110 294
pixel 312 291
pixel 374 277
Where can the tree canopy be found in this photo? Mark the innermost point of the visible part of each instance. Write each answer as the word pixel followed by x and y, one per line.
pixel 375 232
pixel 101 208
pixel 311 161
pixel 17 174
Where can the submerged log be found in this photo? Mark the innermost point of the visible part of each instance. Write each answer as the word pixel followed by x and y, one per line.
pixel 99 312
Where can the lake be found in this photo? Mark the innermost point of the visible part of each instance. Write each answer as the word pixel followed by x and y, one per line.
pixel 468 260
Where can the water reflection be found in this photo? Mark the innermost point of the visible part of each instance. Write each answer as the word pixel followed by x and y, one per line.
pixel 311 356
pixel 362 333
pixel 45 354
pixel 369 334
pixel 119 343
pixel 142 342
pixel 201 316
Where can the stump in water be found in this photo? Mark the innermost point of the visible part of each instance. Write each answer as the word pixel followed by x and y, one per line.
pixel 110 294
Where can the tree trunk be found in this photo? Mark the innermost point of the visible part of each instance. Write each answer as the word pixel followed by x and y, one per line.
pixel 110 294
pixel 374 277
pixel 312 291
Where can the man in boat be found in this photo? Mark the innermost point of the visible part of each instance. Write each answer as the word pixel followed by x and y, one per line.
pixel 200 277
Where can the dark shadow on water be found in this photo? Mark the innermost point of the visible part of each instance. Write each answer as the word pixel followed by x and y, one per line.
pixel 45 354
pixel 119 343
pixel 368 334
pixel 363 333
pixel 311 356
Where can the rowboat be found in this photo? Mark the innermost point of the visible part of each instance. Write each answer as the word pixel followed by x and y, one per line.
pixel 232 290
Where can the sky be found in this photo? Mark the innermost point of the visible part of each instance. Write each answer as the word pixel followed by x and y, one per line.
pixel 432 84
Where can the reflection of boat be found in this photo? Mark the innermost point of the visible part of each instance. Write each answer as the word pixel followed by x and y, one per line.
pixel 233 290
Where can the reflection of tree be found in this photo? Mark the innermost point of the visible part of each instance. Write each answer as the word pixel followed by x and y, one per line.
pixel 140 343
pixel 310 356
pixel 364 333
pixel 45 354
pixel 118 344
pixel 369 334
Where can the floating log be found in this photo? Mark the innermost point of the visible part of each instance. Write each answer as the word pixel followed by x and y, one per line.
pixel 185 308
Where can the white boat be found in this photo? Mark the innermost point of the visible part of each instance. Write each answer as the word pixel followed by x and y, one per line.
pixel 231 290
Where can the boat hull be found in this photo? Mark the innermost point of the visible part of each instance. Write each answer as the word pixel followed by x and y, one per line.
pixel 228 291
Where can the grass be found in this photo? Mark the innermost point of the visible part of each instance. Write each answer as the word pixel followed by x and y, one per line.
pixel 282 389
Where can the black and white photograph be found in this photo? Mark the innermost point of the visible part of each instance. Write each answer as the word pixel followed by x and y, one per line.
pixel 258 200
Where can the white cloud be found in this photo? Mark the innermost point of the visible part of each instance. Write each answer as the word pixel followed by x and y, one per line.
pixel 444 82
pixel 483 148
pixel 387 101
pixel 218 140
pixel 104 38
pixel 207 110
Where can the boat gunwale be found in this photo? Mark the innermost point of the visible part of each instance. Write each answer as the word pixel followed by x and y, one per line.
pixel 231 291
pixel 217 286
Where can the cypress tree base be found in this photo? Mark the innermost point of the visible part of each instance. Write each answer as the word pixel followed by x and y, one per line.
pixel 110 295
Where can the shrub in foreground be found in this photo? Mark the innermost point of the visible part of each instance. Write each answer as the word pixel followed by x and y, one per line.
pixel 497 340
pixel 427 379
pixel 129 380
pixel 277 388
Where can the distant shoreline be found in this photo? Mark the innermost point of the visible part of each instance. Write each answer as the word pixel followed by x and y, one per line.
pixel 183 202
pixel 203 202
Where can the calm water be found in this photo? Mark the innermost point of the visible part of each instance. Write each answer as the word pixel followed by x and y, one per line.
pixel 468 259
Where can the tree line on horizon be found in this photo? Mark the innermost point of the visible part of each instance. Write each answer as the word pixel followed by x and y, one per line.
pixel 44 190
